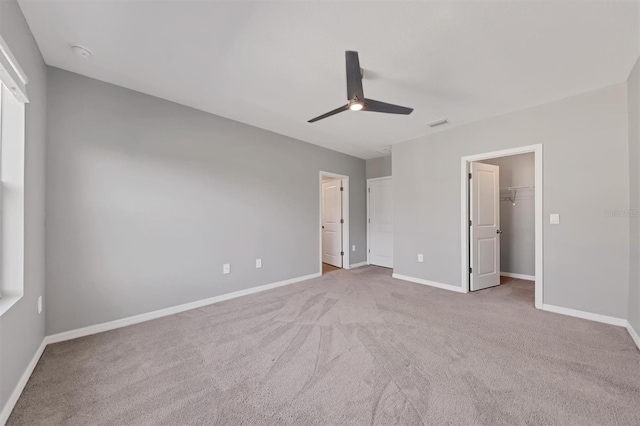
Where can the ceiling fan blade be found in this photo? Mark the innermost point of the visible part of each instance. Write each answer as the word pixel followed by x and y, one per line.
pixel 354 76
pixel 377 106
pixel 329 114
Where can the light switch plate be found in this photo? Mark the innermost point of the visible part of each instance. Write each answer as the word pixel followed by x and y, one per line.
pixel 554 219
pixel 226 268
pixel 258 263
pixel 39 304
pixel 420 258
pixel 353 247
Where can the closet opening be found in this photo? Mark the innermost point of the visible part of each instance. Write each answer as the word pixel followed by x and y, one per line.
pixel 502 229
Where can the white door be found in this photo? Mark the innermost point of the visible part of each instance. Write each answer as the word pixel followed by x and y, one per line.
pixel 380 212
pixel 332 222
pixel 484 226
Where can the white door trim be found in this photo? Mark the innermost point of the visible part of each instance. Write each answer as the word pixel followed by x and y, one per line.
pixel 368 195
pixel 345 216
pixel 464 213
pixel 379 178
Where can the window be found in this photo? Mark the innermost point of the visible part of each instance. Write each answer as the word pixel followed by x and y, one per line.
pixel 12 143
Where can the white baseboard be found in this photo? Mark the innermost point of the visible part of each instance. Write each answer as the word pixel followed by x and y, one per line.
pixel 518 276
pixel 429 283
pixel 634 334
pixel 357 265
pixel 585 315
pixel 112 325
pixel 15 395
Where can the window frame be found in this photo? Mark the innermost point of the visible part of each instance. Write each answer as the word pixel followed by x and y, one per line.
pixel 13 98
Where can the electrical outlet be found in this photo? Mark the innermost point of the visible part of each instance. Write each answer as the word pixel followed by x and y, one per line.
pixel 420 258
pixel 258 263
pixel 39 304
pixel 226 268
pixel 554 219
pixel 353 247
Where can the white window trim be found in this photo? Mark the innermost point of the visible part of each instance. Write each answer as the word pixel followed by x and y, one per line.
pixel 11 74
pixel 12 149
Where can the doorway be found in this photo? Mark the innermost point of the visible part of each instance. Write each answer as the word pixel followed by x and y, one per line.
pixel 334 224
pixel 484 195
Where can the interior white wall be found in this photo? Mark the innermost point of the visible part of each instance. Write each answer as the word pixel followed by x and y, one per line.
pixel 517 222
pixel 379 167
pixel 633 95
pixel 586 257
pixel 147 199
pixel 21 328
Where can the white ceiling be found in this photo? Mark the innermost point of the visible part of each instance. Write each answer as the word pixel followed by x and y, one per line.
pixel 275 65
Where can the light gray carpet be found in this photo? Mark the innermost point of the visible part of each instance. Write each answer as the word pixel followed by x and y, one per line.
pixel 351 347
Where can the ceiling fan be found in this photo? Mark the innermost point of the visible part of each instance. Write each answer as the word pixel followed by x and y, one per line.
pixel 355 94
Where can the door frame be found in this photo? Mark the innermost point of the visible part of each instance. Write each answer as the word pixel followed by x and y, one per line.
pixel 368 218
pixel 464 213
pixel 345 216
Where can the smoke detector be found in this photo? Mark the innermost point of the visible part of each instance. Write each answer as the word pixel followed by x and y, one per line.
pixel 83 52
pixel 437 123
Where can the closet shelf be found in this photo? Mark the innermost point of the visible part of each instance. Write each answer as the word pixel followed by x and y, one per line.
pixel 511 188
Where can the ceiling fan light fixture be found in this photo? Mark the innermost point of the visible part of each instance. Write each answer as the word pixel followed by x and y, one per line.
pixel 356 106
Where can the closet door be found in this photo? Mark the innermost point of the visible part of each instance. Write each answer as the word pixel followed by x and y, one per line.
pixel 380 223
pixel 484 226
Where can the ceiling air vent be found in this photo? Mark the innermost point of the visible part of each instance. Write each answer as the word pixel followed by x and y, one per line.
pixel 437 123
pixel 384 151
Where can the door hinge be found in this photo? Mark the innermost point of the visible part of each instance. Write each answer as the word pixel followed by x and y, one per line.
pixel 341 189
pixel 341 220
pixel 341 253
pixel 470 223
pixel 369 189
pixel 470 270
pixel 469 175
pixel 369 220
pixel 369 250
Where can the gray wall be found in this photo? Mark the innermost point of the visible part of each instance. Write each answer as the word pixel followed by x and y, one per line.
pixel 379 167
pixel 633 95
pixel 586 257
pixel 146 200
pixel 517 242
pixel 21 328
